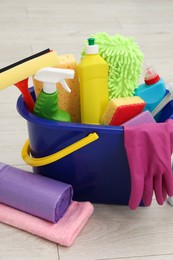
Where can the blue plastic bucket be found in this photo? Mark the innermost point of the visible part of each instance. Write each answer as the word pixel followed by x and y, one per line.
pixel 98 172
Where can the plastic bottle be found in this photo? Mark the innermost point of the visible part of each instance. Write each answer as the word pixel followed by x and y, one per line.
pixel 153 90
pixel 46 105
pixel 93 79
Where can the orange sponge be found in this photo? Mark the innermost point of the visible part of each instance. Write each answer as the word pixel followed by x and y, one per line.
pixel 119 110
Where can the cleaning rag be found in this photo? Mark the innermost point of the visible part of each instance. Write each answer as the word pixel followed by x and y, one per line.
pixel 34 194
pixel 142 118
pixel 149 148
pixel 64 232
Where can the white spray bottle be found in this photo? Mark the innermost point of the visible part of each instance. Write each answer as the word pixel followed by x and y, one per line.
pixel 46 105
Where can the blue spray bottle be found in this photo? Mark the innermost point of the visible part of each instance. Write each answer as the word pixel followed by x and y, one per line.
pixel 153 90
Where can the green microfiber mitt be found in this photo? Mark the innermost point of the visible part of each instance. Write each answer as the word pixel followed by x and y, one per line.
pixel 125 61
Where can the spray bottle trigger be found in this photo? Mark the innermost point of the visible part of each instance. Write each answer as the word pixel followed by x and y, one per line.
pixel 65 86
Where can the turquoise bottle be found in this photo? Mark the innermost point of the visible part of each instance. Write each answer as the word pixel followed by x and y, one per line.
pixel 153 90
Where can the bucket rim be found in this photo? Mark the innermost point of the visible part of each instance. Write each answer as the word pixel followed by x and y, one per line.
pixel 24 112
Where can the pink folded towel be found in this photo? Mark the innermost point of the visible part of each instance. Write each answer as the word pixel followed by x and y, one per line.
pixel 63 232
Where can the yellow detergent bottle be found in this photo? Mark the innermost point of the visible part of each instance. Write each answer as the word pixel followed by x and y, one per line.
pixel 93 79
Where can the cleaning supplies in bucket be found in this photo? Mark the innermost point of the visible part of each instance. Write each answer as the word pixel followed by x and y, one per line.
pixel 47 137
pixel 93 79
pixel 153 90
pixel 46 105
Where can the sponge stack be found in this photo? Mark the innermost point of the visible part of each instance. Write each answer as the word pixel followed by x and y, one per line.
pixel 120 110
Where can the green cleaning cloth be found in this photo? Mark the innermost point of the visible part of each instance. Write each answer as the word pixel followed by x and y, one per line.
pixel 125 61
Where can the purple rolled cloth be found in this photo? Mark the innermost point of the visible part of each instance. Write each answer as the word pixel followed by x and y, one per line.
pixel 34 194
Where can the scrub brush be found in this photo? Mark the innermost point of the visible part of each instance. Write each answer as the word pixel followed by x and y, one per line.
pixel 125 61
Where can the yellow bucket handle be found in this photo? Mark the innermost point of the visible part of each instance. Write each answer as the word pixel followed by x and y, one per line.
pixel 26 151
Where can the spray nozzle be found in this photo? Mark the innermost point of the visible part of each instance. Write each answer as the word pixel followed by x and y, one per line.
pixel 50 76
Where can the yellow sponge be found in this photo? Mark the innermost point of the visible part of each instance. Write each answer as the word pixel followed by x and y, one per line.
pixel 120 110
pixel 69 102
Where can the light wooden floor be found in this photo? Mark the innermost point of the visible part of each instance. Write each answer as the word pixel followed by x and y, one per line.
pixel 29 26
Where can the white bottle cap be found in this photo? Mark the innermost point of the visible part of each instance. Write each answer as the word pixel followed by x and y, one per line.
pixel 92 48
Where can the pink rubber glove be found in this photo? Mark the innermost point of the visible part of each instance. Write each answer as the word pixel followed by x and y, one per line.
pixel 149 149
